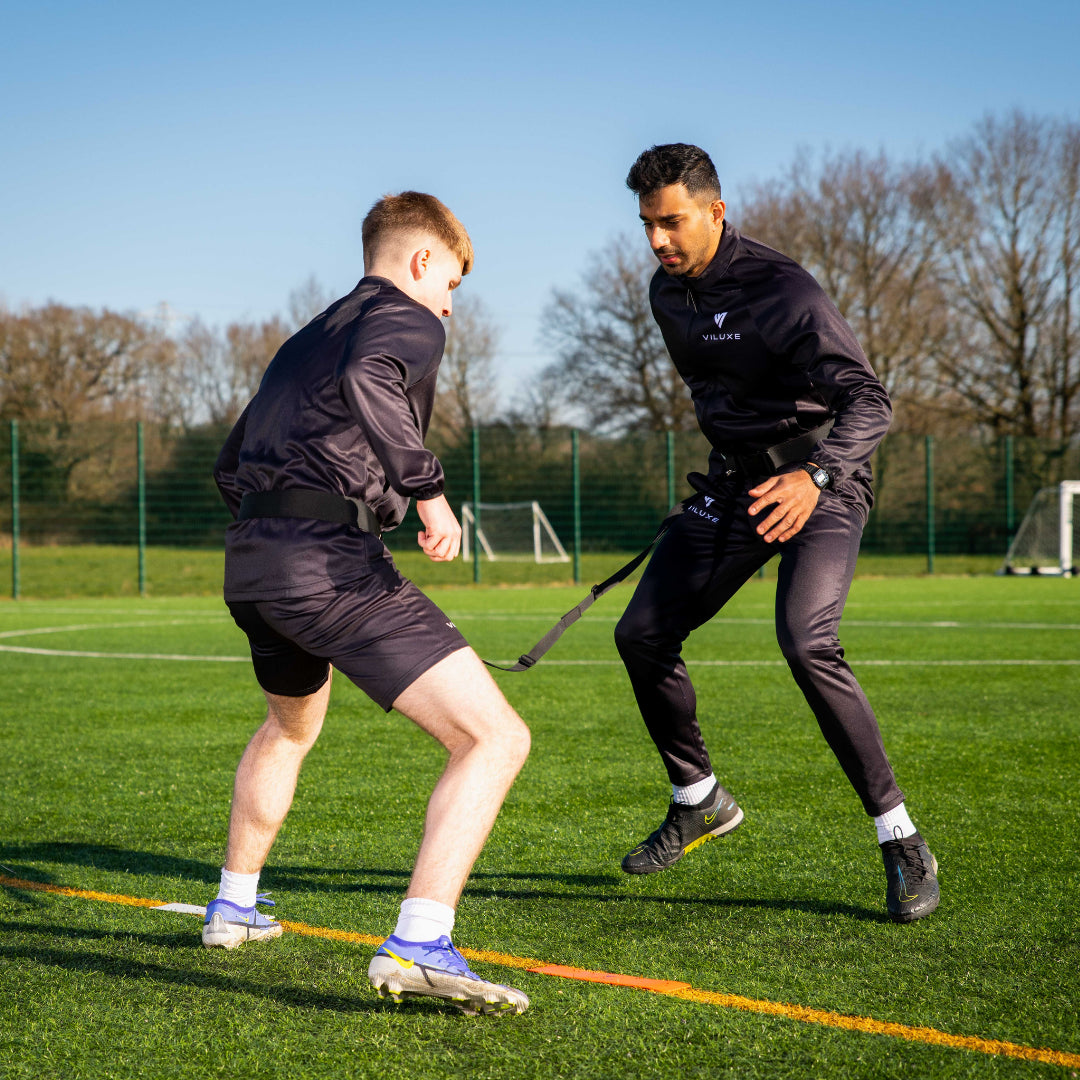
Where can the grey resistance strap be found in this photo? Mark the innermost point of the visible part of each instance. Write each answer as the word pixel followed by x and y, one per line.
pixel 527 660
pixel 764 462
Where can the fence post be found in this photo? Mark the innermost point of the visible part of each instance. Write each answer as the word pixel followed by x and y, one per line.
pixel 15 583
pixel 575 459
pixel 930 536
pixel 140 465
pixel 1010 490
pixel 670 469
pixel 476 505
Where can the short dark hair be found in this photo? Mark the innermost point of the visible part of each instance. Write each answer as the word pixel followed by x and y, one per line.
pixel 415 212
pixel 674 163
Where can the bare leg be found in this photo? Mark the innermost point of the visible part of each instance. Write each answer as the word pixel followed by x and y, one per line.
pixel 266 776
pixel 458 703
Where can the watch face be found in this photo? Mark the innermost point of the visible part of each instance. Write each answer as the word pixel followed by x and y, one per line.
pixel 821 478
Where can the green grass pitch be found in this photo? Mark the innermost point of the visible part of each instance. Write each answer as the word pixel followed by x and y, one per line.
pixel 116 775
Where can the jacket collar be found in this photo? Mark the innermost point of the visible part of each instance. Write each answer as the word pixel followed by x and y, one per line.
pixel 718 267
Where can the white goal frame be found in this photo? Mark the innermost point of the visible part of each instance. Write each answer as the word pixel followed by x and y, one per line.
pixel 1066 493
pixel 541 527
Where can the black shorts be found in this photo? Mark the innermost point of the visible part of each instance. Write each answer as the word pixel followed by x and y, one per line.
pixel 381 632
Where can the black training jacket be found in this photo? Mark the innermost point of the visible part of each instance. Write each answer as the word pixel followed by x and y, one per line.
pixel 767 357
pixel 343 407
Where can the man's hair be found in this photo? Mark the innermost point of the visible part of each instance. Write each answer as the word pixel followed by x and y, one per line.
pixel 674 163
pixel 413 212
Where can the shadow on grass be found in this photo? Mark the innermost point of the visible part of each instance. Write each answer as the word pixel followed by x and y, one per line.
pixel 112 964
pixel 499 885
pixel 276 875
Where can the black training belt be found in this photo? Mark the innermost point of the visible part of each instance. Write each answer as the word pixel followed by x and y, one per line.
pixel 303 503
pixel 765 462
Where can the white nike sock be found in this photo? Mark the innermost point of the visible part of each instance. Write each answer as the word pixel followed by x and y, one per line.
pixel 894 824
pixel 424 920
pixel 687 796
pixel 238 889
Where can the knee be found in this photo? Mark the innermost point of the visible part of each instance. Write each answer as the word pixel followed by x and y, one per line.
pixel 630 634
pixel 300 732
pixel 297 720
pixel 804 650
pixel 508 740
pixel 518 741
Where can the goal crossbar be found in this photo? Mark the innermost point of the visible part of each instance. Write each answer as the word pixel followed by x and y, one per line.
pixel 531 538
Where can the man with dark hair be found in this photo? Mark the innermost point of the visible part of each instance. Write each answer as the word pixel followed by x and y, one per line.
pixel 325 458
pixel 793 412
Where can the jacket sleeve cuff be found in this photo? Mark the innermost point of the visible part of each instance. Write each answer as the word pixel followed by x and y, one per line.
pixel 428 491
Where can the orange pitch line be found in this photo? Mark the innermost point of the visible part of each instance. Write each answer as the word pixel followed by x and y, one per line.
pixel 669 988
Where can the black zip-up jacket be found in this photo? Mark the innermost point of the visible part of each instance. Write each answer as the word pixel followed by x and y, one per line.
pixel 768 357
pixel 343 407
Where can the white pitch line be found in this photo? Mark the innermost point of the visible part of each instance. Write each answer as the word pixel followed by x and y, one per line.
pixel 892 624
pixel 50 606
pixel 142 624
pixel 854 663
pixel 122 655
pixel 721 621
pixel 549 663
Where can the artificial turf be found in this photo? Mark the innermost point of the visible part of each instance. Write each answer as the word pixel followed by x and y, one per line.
pixel 117 773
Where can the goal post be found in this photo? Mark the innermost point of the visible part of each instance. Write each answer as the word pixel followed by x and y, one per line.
pixel 1047 541
pixel 510 531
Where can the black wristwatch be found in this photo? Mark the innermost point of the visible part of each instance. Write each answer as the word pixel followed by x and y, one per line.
pixel 816 473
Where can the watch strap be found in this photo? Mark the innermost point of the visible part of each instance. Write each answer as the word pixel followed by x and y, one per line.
pixel 815 472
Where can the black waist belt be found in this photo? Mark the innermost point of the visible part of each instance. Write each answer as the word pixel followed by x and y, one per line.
pixel 302 503
pixel 766 462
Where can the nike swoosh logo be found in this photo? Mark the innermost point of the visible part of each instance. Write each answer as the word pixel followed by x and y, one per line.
pixel 406 964
pixel 710 818
pixel 904 895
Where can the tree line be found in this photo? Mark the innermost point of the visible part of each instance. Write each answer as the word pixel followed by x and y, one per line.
pixel 960 275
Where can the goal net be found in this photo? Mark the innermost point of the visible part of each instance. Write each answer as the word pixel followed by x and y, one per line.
pixel 1047 540
pixel 517 530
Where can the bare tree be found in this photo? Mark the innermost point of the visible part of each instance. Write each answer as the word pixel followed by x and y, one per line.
pixel 542 402
pixel 610 349
pixel 249 348
pixel 64 371
pixel 1062 355
pixel 307 300
pixel 858 224
pixel 466 394
pixel 64 365
pixel 1006 221
pixel 216 372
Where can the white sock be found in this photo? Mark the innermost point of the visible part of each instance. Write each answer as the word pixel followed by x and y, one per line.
pixel 238 889
pixel 894 824
pixel 424 920
pixel 687 796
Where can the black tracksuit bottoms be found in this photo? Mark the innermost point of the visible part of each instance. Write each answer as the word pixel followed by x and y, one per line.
pixel 709 552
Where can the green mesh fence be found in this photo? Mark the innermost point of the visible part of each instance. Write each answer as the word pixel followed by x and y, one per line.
pixel 80 485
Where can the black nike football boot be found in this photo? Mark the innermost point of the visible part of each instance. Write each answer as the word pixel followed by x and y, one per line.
pixel 911 872
pixel 684 828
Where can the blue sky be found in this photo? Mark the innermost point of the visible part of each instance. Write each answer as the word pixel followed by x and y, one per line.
pixel 214 157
